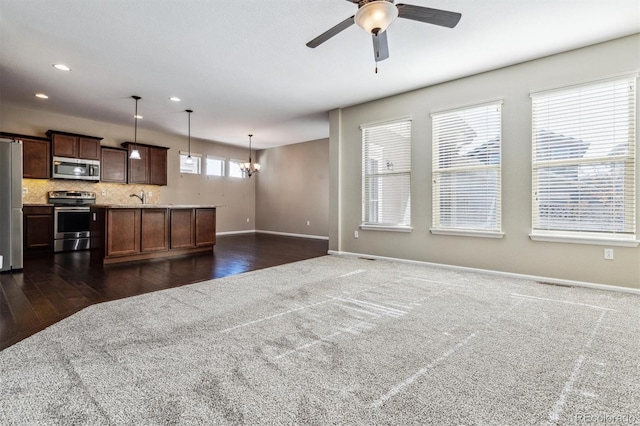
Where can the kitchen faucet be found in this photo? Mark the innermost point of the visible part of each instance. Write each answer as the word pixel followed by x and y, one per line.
pixel 141 196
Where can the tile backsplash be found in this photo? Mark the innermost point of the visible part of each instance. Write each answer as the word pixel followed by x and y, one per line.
pixel 35 191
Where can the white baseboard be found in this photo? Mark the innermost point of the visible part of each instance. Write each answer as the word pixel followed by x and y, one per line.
pixel 288 234
pixel 492 272
pixel 249 231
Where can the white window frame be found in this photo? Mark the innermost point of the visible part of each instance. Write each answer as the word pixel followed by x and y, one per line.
pixel 602 116
pixel 222 169
pixel 467 171
pixel 389 143
pixel 197 158
pixel 230 164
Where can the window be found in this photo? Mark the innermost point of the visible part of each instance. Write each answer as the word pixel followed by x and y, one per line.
pixel 235 169
pixel 386 175
pixel 584 160
pixel 466 171
pixel 215 166
pixel 193 168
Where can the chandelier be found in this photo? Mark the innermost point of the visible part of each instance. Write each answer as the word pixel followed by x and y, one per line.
pixel 250 167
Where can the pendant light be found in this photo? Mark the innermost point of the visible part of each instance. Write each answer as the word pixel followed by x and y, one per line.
pixel 189 160
pixel 250 167
pixel 135 154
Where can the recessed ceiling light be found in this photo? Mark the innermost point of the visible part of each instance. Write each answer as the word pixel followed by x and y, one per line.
pixel 174 99
pixel 61 67
pixel 41 96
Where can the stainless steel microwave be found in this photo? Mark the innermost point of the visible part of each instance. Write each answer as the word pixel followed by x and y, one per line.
pixel 76 168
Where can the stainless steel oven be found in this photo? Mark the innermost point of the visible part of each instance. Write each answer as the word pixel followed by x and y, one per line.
pixel 71 228
pixel 71 219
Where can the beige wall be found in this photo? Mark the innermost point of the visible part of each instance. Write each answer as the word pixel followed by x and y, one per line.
pixel 516 252
pixel 293 188
pixel 237 195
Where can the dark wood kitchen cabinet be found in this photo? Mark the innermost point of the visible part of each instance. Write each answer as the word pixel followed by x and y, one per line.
pixel 37 228
pixel 151 168
pixel 158 166
pixel 183 225
pixel 154 235
pixel 113 165
pixel 205 227
pixel 74 146
pixel 36 158
pixel 123 232
pixel 36 155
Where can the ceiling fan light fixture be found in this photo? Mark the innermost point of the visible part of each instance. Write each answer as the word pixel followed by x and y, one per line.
pixel 376 16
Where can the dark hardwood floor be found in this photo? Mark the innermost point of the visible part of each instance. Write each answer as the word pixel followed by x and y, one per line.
pixel 52 287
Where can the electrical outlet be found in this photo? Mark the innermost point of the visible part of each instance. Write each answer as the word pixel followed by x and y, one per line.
pixel 25 191
pixel 355 234
pixel 248 220
pixel 104 192
pixel 608 254
pixel 150 193
pixel 308 223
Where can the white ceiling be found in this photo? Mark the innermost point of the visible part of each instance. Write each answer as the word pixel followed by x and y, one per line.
pixel 243 67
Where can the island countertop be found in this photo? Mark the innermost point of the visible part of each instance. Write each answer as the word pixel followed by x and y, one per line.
pixel 156 206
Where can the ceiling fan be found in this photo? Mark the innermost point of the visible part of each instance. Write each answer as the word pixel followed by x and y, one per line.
pixel 374 16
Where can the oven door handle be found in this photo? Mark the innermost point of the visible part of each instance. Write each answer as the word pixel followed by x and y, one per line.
pixel 71 209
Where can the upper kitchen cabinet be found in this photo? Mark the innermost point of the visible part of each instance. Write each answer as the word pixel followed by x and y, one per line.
pixel 36 155
pixel 36 159
pixel 74 146
pixel 158 166
pixel 151 168
pixel 113 165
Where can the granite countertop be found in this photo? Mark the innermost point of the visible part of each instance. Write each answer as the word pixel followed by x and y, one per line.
pixel 157 206
pixel 37 205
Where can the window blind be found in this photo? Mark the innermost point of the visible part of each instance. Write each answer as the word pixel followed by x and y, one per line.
pixel 193 168
pixel 584 158
pixel 215 166
pixel 386 173
pixel 466 192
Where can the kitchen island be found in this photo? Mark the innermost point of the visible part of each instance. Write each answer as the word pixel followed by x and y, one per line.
pixel 123 233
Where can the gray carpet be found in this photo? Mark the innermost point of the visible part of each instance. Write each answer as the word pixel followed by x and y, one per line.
pixel 336 341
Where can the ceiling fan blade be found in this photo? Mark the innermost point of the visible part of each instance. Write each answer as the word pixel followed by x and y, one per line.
pixel 440 17
pixel 380 46
pixel 331 32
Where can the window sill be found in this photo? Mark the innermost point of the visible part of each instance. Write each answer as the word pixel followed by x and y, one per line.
pixel 611 240
pixel 390 228
pixel 467 233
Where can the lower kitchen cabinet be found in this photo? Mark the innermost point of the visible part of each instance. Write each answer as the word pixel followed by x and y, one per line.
pixel 122 234
pixel 205 227
pixel 154 234
pixel 37 230
pixel 183 225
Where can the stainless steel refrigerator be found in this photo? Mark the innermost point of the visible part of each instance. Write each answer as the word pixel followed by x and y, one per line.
pixel 10 205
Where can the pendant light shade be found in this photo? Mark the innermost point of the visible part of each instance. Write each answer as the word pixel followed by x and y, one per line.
pixel 135 154
pixel 250 167
pixel 189 160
